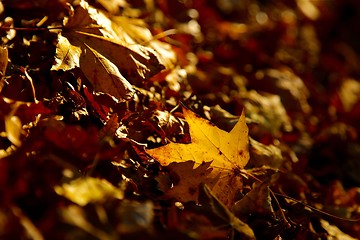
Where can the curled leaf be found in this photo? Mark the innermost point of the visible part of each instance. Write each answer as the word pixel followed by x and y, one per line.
pixel 90 43
pixel 211 202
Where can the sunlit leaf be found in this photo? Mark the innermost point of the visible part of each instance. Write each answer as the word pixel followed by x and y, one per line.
pixel 86 190
pixel 334 232
pixel 3 64
pixel 90 43
pixel 134 31
pixel 67 55
pixel 227 151
pixel 76 215
pixel 13 128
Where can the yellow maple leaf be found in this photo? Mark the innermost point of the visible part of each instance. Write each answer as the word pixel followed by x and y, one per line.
pixel 228 153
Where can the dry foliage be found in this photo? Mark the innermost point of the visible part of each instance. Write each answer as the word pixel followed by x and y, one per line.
pixel 179 119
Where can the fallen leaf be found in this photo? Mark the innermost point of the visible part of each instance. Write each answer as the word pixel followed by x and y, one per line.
pixel 77 216
pixel 13 129
pixel 265 155
pixel 112 6
pixel 291 89
pixel 3 64
pixel 100 71
pixel 85 190
pixel 90 43
pixel 169 125
pixel 67 55
pixel 8 22
pixel 187 187
pixel 256 208
pixel 257 201
pixel 110 127
pixel 97 106
pixel 227 151
pixel 134 31
pixel 334 232
pixel 212 203
pixel 133 61
pixel 268 111
pixel 222 118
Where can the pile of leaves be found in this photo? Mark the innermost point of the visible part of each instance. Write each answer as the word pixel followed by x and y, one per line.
pixel 179 119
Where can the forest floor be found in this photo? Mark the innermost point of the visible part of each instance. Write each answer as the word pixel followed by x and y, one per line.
pixel 179 119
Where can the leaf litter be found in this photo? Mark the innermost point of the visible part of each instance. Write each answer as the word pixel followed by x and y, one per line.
pixel 94 143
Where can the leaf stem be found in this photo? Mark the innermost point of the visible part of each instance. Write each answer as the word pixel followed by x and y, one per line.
pixel 318 210
pixel 31 28
pixel 288 225
pixel 274 194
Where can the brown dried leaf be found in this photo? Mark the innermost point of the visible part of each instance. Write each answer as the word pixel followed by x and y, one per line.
pixel 3 64
pixel 134 31
pixel 189 179
pixel 265 155
pixel 257 201
pixel 209 200
pixel 67 55
pixel 268 111
pixel 89 42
